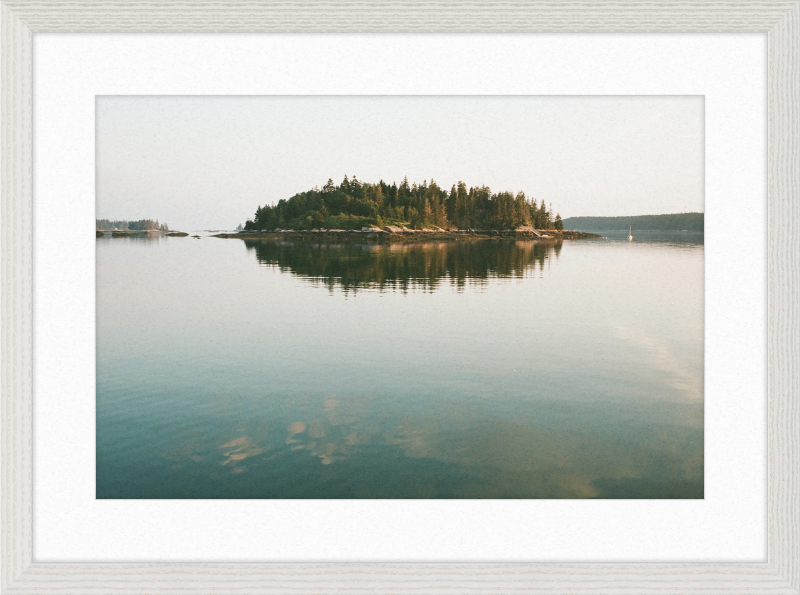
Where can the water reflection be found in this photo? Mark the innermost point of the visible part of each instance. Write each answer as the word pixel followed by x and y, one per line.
pixel 465 451
pixel 239 449
pixel 678 239
pixel 581 378
pixel 358 447
pixel 401 266
pixel 142 236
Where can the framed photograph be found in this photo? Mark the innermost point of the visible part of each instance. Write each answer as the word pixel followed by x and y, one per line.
pixel 346 369
pixel 400 297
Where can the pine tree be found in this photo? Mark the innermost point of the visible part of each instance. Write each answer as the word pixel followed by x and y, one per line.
pixel 421 205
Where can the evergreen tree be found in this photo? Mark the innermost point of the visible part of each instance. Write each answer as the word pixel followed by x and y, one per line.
pixel 354 203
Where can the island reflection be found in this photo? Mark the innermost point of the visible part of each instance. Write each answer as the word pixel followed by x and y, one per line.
pixel 402 266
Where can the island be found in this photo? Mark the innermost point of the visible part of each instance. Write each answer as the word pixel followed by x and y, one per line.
pixel 126 229
pixel 406 212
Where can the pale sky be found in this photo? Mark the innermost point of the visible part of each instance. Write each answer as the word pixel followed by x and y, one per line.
pixel 208 162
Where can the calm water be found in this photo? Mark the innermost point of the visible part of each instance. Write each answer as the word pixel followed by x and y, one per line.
pixel 495 369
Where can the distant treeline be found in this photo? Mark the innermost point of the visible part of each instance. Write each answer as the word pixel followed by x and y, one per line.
pixel 354 204
pixel 140 225
pixel 674 222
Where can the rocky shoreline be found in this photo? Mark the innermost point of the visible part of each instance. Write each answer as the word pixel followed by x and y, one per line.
pixel 396 234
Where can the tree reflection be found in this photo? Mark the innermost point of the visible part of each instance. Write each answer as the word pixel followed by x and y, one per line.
pixel 401 266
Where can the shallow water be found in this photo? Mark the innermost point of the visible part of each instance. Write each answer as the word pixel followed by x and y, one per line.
pixel 493 369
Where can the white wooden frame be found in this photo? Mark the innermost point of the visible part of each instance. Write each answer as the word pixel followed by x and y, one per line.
pixel 780 19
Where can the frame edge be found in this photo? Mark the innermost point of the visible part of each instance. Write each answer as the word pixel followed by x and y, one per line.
pixel 16 265
pixel 784 297
pixel 409 16
pixel 782 572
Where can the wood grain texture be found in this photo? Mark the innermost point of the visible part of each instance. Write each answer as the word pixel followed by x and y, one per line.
pixel 400 579
pixel 781 19
pixel 398 15
pixel 16 243
pixel 784 296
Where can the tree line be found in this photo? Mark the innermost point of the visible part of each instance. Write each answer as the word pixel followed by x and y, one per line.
pixel 354 204
pixel 140 225
pixel 672 222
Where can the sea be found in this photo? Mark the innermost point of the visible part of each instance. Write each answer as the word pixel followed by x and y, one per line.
pixel 500 368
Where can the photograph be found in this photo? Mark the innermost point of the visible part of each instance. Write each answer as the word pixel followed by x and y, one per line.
pixel 399 297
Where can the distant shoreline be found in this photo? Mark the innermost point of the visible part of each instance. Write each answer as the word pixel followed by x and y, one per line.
pixel 672 222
